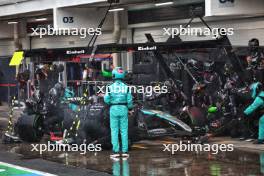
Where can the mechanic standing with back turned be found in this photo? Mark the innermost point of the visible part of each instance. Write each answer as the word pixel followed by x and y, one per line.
pixel 120 100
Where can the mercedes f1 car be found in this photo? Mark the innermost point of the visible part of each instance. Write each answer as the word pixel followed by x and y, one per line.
pixel 89 122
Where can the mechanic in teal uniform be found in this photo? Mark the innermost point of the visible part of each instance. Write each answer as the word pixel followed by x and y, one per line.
pixel 257 94
pixel 70 94
pixel 120 100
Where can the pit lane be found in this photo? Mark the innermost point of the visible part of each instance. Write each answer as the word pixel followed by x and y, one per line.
pixel 146 158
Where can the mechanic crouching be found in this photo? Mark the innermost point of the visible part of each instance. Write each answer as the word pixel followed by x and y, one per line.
pixel 257 94
pixel 120 100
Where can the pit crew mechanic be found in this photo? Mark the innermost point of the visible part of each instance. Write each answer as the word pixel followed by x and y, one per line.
pixel 257 94
pixel 256 56
pixel 255 62
pixel 120 99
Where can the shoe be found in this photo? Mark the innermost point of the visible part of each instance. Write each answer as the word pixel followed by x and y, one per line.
pixel 114 155
pixel 259 141
pixel 125 155
pixel 249 140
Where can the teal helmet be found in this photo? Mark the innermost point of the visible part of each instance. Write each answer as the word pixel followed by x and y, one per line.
pixel 68 93
pixel 255 88
pixel 118 73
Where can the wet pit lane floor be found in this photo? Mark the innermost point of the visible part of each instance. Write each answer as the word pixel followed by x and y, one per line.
pixel 146 158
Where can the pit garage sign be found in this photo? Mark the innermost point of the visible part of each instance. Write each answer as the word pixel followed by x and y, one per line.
pixel 13 170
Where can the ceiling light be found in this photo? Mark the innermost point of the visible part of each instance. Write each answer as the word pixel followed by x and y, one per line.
pixel 41 19
pixel 117 9
pixel 12 22
pixel 164 3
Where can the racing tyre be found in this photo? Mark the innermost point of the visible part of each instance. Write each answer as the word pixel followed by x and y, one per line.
pixel 29 128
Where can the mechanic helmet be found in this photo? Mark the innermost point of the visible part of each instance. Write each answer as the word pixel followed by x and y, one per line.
pixel 60 89
pixel 40 71
pixel 191 62
pixel 196 65
pixel 173 67
pixel 253 44
pixel 118 73
pixel 58 86
pixel 208 66
pixel 93 99
pixel 228 68
pixel 53 93
pixel 255 89
pixel 60 68
pixel 36 95
pixel 68 93
pixel 53 67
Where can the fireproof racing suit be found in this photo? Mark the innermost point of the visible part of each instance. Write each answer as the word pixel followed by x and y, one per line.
pixel 120 99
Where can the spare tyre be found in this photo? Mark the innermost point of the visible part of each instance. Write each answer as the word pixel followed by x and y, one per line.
pixel 30 128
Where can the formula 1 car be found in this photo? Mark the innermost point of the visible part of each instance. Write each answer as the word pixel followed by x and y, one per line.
pixel 90 124
pixel 143 124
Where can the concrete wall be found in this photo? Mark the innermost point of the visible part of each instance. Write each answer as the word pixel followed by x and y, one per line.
pixel 6 31
pixel 84 18
pixel 7 47
pixel 244 29
pixel 40 5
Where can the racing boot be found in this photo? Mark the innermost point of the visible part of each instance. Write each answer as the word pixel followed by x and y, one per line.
pixel 114 155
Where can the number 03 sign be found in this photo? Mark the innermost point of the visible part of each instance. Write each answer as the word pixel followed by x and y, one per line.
pixel 69 19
